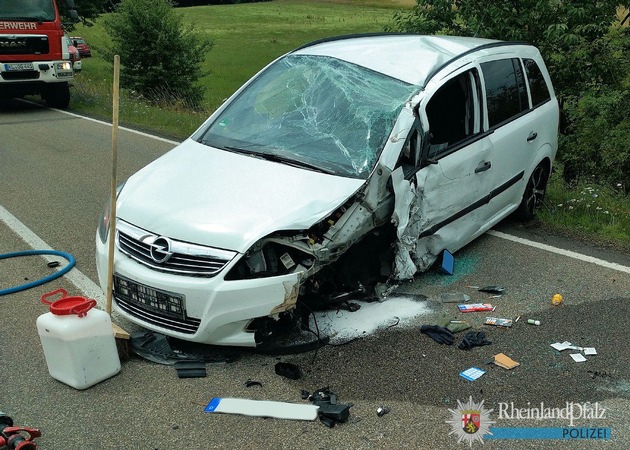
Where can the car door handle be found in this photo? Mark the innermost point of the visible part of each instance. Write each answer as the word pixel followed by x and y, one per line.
pixel 533 135
pixel 483 166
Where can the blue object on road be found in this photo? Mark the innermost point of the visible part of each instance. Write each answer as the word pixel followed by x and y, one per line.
pixel 41 281
pixel 448 263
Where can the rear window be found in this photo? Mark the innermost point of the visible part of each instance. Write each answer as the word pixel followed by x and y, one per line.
pixel 537 84
pixel 505 90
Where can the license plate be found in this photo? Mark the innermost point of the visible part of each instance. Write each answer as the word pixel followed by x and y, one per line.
pixel 18 66
pixel 162 302
pixel 64 74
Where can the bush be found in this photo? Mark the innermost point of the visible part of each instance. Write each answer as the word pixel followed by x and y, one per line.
pixel 572 36
pixel 595 142
pixel 598 143
pixel 160 57
pixel 587 57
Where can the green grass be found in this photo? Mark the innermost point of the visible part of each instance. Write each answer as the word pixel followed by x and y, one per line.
pixel 589 211
pixel 248 36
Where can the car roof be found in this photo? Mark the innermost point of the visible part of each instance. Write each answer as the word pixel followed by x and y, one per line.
pixel 408 57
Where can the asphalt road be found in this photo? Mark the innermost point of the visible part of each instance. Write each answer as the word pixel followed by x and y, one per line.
pixel 54 180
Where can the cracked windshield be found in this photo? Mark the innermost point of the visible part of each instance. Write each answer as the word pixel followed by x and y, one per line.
pixel 316 112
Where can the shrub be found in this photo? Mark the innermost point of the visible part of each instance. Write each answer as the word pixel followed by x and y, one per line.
pixel 570 35
pixel 160 57
pixel 587 57
pixel 599 135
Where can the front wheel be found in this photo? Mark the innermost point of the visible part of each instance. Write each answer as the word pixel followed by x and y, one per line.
pixel 57 95
pixel 534 193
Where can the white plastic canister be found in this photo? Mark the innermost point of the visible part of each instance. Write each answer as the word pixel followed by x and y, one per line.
pixel 78 341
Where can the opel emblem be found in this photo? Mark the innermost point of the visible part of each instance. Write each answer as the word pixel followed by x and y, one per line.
pixel 161 249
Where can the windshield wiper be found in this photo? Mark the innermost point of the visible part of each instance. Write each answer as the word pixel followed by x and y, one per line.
pixel 279 159
pixel 239 150
pixel 293 162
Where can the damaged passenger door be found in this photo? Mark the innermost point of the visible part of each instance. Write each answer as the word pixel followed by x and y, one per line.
pixel 441 202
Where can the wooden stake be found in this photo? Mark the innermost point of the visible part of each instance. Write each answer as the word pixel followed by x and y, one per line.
pixel 112 198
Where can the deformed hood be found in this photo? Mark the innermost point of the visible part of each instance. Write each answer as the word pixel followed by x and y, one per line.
pixel 199 194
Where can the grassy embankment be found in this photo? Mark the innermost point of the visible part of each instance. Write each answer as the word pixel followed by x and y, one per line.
pixel 248 36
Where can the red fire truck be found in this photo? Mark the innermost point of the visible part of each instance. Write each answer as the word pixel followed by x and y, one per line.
pixel 34 56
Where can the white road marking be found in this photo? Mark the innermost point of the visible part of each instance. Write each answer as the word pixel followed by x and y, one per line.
pixel 109 124
pixel 560 251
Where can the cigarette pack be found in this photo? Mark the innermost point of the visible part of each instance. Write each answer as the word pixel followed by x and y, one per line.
pixel 474 307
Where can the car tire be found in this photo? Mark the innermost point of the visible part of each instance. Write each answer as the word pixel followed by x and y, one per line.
pixel 57 96
pixel 534 193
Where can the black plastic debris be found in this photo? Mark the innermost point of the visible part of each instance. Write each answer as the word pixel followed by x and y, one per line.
pixel 161 349
pixel 473 339
pixel 330 412
pixel 350 306
pixel 454 297
pixel 53 264
pixel 288 370
pixel 439 334
pixel 154 347
pixel 382 410
pixel 492 289
pixel 286 336
pixel 190 369
pixel 250 383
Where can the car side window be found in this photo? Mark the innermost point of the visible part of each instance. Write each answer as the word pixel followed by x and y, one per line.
pixel 506 92
pixel 453 113
pixel 537 85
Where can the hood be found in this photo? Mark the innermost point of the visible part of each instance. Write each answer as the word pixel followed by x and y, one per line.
pixel 217 198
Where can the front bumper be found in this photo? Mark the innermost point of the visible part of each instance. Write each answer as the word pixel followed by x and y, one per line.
pixel 215 311
pixel 37 71
pixel 33 79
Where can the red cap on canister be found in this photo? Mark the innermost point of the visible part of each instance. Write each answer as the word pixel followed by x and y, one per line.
pixel 66 305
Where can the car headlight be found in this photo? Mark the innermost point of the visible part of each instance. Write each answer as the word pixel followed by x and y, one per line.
pixel 103 225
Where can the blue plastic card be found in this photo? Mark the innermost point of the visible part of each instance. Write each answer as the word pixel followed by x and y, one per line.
pixel 472 374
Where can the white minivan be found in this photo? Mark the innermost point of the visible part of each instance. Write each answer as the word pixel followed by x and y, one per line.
pixel 346 163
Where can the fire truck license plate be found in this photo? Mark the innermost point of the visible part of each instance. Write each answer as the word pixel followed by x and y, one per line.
pixel 18 66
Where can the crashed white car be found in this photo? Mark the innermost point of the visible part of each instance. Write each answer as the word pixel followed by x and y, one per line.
pixel 345 163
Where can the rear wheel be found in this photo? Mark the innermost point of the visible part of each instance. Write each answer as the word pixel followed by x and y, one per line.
pixel 57 95
pixel 534 193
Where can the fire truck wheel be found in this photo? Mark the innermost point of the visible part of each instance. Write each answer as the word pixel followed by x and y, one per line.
pixel 57 96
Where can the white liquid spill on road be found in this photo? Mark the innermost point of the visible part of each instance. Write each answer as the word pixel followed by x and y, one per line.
pixel 342 325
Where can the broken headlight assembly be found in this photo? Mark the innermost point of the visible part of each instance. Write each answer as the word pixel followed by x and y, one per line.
pixel 269 258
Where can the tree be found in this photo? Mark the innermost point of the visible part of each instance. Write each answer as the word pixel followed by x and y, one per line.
pixel 571 35
pixel 88 11
pixel 585 48
pixel 161 58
